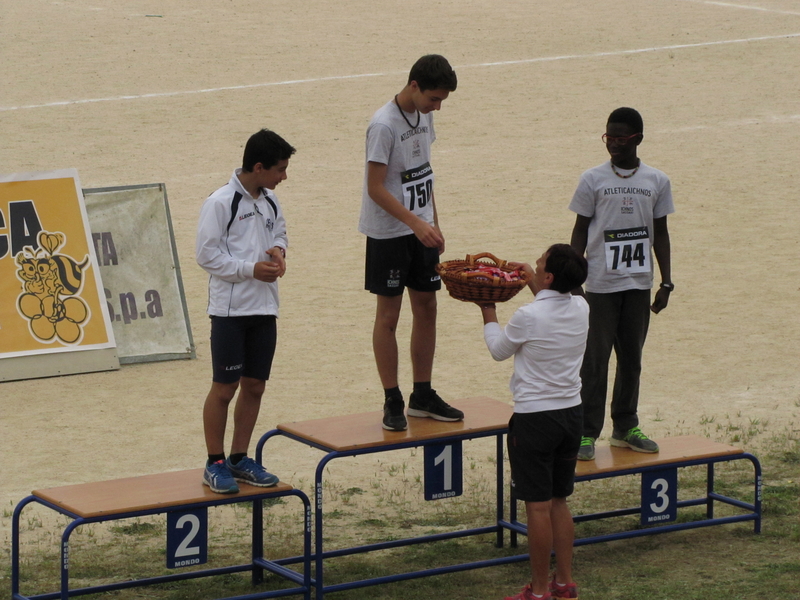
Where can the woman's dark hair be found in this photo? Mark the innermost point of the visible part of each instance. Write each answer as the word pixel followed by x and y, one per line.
pixel 568 268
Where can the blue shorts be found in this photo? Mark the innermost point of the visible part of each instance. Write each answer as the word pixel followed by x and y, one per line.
pixel 242 347
pixel 543 452
pixel 398 262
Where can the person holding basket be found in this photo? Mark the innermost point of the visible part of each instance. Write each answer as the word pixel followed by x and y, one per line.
pixel 547 339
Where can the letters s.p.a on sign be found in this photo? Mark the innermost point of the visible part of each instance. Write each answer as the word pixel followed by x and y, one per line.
pixel 135 247
pixel 53 316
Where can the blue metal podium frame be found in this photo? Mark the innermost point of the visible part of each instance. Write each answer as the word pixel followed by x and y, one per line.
pixel 501 414
pixel 257 567
pixel 709 453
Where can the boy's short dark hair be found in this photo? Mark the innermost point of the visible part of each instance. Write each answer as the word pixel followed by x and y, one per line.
pixel 627 116
pixel 265 147
pixel 568 268
pixel 433 72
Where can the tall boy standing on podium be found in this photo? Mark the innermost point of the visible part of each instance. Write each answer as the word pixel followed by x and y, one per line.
pixel 241 243
pixel 622 207
pixel 547 339
pixel 399 218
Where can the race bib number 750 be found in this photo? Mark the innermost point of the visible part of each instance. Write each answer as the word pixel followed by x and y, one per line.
pixel 627 250
pixel 417 187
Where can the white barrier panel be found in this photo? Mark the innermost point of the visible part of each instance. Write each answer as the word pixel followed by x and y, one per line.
pixel 135 247
pixel 53 317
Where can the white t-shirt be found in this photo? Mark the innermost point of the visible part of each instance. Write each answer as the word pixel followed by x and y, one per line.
pixel 547 339
pixel 409 178
pixel 619 246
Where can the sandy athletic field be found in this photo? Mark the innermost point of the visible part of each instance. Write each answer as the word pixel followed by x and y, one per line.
pixel 167 91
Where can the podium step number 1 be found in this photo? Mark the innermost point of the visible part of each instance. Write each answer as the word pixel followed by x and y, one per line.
pixel 443 471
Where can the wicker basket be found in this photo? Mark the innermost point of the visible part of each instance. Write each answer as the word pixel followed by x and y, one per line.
pixel 465 284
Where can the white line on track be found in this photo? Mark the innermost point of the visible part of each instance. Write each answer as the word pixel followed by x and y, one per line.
pixel 190 92
pixel 364 75
pixel 767 120
pixel 636 50
pixel 746 7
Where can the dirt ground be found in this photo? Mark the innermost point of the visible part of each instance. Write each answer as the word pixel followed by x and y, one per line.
pixel 167 91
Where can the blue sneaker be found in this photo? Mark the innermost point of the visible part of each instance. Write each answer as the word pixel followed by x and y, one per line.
pixel 251 472
pixel 218 477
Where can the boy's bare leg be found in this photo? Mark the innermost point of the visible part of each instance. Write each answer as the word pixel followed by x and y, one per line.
pixel 245 413
pixel 423 333
pixel 215 415
pixel 384 339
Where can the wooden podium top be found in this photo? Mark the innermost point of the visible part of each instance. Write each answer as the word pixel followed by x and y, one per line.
pixel 671 450
pixel 365 430
pixel 142 493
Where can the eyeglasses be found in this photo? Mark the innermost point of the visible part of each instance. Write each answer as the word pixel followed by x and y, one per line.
pixel 612 139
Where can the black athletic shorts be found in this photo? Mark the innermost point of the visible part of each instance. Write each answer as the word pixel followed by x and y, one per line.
pixel 543 451
pixel 242 347
pixel 398 262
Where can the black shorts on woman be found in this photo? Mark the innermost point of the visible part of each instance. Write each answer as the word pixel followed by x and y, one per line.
pixel 543 451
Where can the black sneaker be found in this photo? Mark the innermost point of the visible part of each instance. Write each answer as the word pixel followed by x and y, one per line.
pixel 431 405
pixel 393 417
pixel 635 440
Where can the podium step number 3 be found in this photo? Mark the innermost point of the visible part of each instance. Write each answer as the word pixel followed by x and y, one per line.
pixel 659 496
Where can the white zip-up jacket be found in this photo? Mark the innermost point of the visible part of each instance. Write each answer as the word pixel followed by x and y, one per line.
pixel 233 234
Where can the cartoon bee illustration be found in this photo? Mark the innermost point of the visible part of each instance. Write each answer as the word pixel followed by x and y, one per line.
pixel 51 283
pixel 68 273
pixel 29 272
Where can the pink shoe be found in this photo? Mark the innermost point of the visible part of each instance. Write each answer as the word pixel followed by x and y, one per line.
pixel 567 590
pixel 527 594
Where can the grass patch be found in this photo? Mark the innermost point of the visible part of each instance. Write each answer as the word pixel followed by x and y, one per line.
pixel 138 528
pixel 727 562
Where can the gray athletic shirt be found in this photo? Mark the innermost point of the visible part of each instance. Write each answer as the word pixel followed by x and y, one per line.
pixel 619 248
pixel 409 178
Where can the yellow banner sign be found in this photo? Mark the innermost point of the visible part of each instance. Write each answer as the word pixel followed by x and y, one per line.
pixel 50 289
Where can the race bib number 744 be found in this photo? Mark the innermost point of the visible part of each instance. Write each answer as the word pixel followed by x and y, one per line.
pixel 627 250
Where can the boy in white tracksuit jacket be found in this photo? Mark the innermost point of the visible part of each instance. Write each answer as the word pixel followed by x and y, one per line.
pixel 241 243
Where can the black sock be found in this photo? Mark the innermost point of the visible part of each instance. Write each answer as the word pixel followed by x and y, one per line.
pixel 212 458
pixel 393 392
pixel 236 458
pixel 423 388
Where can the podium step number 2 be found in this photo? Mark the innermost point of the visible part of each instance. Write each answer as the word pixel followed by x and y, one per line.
pixel 187 538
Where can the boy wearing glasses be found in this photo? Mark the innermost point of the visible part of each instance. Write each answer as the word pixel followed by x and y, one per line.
pixel 399 218
pixel 622 207
pixel 241 243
